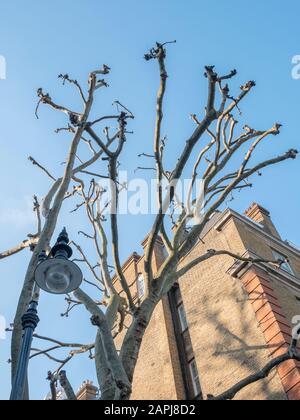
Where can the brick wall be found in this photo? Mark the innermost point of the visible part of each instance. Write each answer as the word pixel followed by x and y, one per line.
pixel 226 339
pixel 157 374
pixel 265 296
pixel 225 315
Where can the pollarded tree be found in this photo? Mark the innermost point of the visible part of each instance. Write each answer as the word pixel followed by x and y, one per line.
pixel 221 138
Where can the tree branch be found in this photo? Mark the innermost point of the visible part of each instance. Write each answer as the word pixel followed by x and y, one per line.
pixel 262 374
pixel 67 387
pixel 27 243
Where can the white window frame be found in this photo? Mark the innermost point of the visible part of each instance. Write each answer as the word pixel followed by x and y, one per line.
pixel 182 318
pixel 195 377
pixel 141 285
pixel 286 266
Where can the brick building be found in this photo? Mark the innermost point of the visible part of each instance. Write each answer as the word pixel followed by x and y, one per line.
pixel 87 392
pixel 225 319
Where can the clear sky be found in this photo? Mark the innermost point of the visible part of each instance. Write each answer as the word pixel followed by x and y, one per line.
pixel 41 39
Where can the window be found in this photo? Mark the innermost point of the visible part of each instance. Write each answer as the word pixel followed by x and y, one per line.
pixel 186 354
pixel 188 346
pixel 182 317
pixel 195 377
pixel 286 265
pixel 177 295
pixel 165 252
pixel 140 285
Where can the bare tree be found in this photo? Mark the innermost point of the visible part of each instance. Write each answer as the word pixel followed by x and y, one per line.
pixel 218 139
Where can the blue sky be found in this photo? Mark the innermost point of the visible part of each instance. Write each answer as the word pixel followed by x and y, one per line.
pixel 40 40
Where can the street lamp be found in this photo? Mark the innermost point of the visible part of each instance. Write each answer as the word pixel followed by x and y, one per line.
pixel 54 274
pixel 58 275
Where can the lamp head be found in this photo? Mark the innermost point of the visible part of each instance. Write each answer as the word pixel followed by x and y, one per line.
pixel 58 275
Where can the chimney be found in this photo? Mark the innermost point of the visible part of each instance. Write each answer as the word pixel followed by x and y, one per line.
pixel 87 391
pixel 159 255
pixel 262 216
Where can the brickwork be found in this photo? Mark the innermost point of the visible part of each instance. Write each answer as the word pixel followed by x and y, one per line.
pixel 260 215
pixel 158 373
pixel 87 392
pixel 227 341
pixel 237 319
pixel 275 325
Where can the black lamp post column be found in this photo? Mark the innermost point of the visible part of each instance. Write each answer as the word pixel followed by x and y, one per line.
pixel 30 321
pixel 54 274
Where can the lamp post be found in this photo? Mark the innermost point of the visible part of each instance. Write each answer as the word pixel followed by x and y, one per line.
pixel 54 274
pixel 30 321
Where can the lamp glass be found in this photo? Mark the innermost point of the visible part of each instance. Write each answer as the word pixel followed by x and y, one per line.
pixel 58 276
